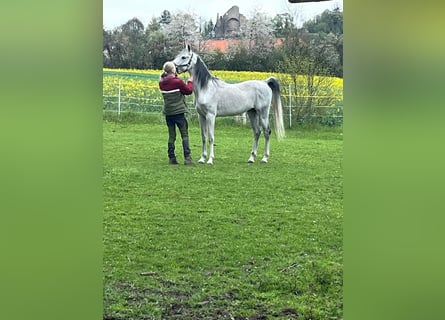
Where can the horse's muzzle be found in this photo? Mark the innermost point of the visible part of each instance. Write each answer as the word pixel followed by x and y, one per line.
pixel 179 70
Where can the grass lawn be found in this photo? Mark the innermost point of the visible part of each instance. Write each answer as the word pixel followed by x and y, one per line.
pixel 228 241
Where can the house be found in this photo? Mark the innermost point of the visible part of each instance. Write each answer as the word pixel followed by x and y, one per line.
pixel 223 45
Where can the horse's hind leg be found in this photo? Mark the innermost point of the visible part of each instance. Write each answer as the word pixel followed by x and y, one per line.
pixel 203 126
pixel 267 132
pixel 254 121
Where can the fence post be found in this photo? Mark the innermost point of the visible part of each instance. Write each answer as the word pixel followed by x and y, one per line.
pixel 290 106
pixel 119 99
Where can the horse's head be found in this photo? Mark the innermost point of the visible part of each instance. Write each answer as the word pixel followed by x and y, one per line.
pixel 184 60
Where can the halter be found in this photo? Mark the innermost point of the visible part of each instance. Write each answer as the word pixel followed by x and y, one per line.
pixel 186 64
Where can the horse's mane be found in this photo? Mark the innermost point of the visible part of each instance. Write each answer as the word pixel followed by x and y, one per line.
pixel 202 74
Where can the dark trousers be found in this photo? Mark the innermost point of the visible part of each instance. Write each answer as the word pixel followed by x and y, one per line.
pixel 177 120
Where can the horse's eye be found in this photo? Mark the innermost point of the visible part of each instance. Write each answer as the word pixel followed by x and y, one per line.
pixel 184 57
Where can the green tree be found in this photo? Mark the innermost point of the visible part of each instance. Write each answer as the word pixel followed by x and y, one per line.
pixel 326 30
pixel 327 22
pixel 283 25
pixel 320 39
pixel 310 84
pixel 208 30
pixel 216 60
pixel 107 43
pixel 239 58
pixel 134 29
pixel 114 49
pixel 128 44
pixel 155 42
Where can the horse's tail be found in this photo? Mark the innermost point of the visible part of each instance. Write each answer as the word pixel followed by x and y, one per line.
pixel 273 83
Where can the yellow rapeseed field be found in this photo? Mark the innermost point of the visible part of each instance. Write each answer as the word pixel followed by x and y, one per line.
pixel 144 83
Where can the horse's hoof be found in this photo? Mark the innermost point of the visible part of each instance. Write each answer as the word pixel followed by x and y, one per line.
pixel 202 160
pixel 264 160
pixel 250 161
pixel 210 161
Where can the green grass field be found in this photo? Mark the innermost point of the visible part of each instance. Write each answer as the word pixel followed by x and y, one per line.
pixel 228 241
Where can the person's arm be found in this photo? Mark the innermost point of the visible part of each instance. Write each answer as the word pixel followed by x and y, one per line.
pixel 186 88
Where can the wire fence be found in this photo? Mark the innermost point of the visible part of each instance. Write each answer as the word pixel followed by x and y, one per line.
pixel 298 108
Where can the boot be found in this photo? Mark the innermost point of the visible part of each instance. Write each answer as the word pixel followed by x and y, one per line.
pixel 171 154
pixel 188 161
pixel 187 152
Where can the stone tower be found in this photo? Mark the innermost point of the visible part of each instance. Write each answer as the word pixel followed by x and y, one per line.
pixel 228 26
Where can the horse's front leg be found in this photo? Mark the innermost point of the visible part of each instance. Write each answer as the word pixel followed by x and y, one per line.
pixel 211 130
pixel 203 126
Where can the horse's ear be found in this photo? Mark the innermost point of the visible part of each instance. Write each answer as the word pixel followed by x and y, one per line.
pixel 189 48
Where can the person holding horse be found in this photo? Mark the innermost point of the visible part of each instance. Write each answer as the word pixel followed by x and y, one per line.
pixel 173 90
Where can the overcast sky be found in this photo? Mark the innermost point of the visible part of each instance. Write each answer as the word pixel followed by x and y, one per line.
pixel 117 12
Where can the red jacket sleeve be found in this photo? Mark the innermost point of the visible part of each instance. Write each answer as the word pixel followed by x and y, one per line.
pixel 172 83
pixel 185 88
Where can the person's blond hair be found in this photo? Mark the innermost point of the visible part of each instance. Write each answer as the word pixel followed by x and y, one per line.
pixel 169 67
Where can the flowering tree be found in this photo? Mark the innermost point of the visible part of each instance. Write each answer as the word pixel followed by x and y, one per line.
pixel 182 29
pixel 259 31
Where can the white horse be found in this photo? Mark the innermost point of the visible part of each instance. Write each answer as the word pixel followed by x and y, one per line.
pixel 214 97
